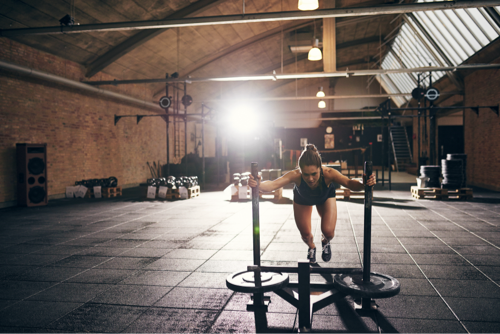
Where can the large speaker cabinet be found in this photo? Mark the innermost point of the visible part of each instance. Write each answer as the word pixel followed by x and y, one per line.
pixel 32 174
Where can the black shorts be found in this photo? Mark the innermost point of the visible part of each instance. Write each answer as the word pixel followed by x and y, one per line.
pixel 314 200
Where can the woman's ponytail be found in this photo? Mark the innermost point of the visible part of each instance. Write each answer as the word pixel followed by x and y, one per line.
pixel 310 157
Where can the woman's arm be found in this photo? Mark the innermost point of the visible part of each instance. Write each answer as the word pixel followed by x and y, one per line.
pixel 266 186
pixel 332 175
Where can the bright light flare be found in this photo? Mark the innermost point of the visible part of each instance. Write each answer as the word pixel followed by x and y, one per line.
pixel 243 118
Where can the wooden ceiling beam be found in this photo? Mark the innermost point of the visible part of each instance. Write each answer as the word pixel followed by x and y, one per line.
pixel 142 37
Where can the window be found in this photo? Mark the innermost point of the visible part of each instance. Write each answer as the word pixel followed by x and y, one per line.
pixel 435 38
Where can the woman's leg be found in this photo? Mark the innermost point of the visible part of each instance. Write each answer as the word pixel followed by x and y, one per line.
pixel 328 213
pixel 302 214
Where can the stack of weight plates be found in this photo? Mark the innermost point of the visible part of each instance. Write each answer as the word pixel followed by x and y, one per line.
pixel 462 157
pixel 433 173
pixel 452 173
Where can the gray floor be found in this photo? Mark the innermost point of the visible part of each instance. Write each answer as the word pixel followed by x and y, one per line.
pixel 131 265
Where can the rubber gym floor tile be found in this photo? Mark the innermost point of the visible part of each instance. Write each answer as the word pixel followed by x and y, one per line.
pixel 416 287
pixel 346 323
pixel 205 280
pixel 276 322
pixel 391 258
pixel 477 250
pixel 381 248
pixel 8 272
pixel 195 298
pixel 482 327
pixel 175 264
pixel 30 259
pixel 22 248
pixel 415 307
pixel 145 252
pixel 127 263
pixel 286 255
pixel 475 309
pixel 62 250
pixel 16 290
pixel 103 251
pixel 431 241
pixel 197 254
pixel 121 243
pixel 87 242
pixel 102 276
pixel 239 301
pixel 132 295
pixel 424 326
pixel 468 241
pixel 204 244
pixel 381 241
pixel 48 240
pixel 439 259
pixel 424 249
pixel 160 278
pixel 413 233
pixel 81 261
pixel 216 266
pixel 160 320
pixel 71 292
pixel 48 274
pixel 98 318
pixel 458 272
pixel 242 255
pixel 492 271
pixel 467 288
pixel 484 260
pixel 34 313
pixel 163 244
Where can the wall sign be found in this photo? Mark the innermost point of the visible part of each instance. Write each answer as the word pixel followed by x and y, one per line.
pixel 329 142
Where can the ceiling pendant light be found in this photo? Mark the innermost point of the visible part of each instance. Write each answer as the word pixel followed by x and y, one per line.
pixel 315 53
pixel 321 104
pixel 320 92
pixel 308 4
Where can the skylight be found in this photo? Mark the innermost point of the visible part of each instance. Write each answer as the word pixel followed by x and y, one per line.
pixel 436 38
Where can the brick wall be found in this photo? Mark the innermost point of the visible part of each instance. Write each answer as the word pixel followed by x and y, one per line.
pixel 78 126
pixel 482 133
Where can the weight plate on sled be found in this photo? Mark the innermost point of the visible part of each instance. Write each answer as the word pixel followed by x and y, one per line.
pixel 380 285
pixel 244 281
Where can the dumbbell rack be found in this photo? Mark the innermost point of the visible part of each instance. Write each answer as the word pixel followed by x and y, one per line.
pixel 359 283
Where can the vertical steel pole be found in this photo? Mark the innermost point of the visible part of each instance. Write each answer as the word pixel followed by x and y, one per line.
pixel 168 141
pixel 203 144
pixel 185 131
pixel 254 169
pixel 367 237
pixel 304 296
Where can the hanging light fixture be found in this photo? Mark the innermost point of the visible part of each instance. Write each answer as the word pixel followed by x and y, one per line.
pixel 308 4
pixel 315 53
pixel 321 103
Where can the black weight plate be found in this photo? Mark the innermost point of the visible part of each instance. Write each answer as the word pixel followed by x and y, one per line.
pixel 36 195
pixel 380 285
pixel 36 166
pixel 244 282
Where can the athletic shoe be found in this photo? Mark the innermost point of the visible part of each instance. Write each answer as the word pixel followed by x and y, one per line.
pixel 326 255
pixel 311 255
